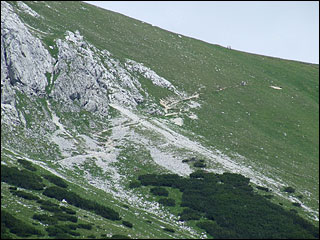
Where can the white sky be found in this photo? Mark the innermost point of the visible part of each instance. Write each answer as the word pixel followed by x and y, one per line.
pixel 284 29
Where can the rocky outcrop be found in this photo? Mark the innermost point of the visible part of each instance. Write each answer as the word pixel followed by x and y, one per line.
pixel 24 60
pixel 81 77
pixel 91 77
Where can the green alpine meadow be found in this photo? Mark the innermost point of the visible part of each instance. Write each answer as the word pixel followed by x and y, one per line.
pixel 112 128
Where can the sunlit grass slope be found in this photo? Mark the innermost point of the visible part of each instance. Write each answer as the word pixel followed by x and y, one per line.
pixel 275 129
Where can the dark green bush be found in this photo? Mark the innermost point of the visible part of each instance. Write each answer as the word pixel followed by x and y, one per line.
pixel 169 180
pixel 21 178
pixel 68 210
pixel 25 195
pixel 26 164
pixel 192 159
pixel 232 208
pixel 74 199
pixel 65 217
pixel 73 233
pixel 198 174
pixel 199 164
pixel 168 229
pixel 49 206
pixel 189 214
pixel 234 179
pixel 289 189
pixel 127 224
pixel 134 184
pixel 167 202
pixel 72 226
pixel 268 196
pixel 54 230
pixel 56 180
pixel 53 209
pixel 160 191
pixel 215 230
pixel 119 236
pixel 85 226
pixel 16 226
pixel 59 193
pixel 47 203
pixel 46 219
pixel 263 188
pixel 296 204
pixel 62 231
pixel 149 179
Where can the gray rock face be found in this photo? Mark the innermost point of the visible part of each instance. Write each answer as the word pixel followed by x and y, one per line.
pixel 24 60
pixel 82 76
pixel 91 77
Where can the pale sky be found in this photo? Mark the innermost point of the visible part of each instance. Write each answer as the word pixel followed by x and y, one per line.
pixel 284 29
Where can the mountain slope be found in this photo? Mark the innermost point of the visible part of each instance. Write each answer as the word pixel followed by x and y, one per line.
pixel 100 98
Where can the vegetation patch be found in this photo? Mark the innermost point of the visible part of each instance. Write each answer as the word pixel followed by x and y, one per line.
pixel 47 203
pixel 21 178
pixel 87 226
pixel 45 218
pixel 198 174
pixel 159 191
pixel 119 236
pixel 54 209
pixel 49 206
pixel 167 229
pixel 28 165
pixel 65 217
pixel 230 207
pixel 68 210
pixel 170 202
pixel 289 189
pixel 263 188
pixel 189 214
pixel 56 180
pixel 199 164
pixel 127 224
pixel 74 199
pixel 11 224
pixel 296 204
pixel 134 184
pixel 61 231
pixel 25 195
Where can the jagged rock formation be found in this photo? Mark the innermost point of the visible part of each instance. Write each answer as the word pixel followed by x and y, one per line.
pixel 24 59
pixel 82 76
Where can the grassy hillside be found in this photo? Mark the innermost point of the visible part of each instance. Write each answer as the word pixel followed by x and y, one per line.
pixel 22 208
pixel 272 128
pixel 276 131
